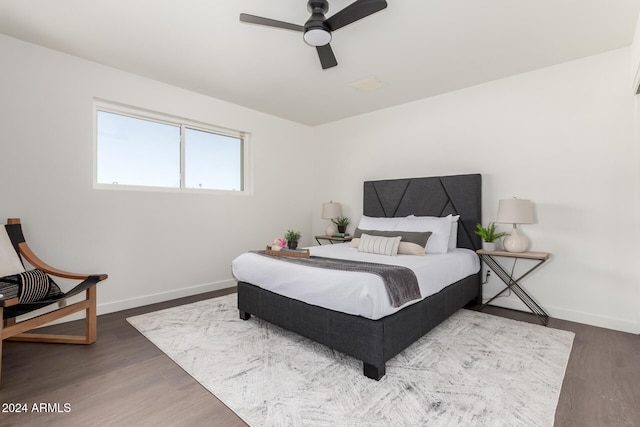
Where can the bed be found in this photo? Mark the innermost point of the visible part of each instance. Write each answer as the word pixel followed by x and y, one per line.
pixel 376 340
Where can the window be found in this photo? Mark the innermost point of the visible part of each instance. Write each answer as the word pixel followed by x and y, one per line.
pixel 142 149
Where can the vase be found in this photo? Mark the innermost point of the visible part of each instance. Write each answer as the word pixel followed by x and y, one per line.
pixel 342 229
pixel 292 245
pixel 489 246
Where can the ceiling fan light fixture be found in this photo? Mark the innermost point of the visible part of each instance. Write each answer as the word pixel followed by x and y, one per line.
pixel 317 37
pixel 316 32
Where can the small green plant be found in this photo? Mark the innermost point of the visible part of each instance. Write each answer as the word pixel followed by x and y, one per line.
pixel 292 236
pixel 489 234
pixel 341 221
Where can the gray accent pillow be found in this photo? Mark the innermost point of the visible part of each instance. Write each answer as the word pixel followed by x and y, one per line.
pixel 417 237
pixel 412 243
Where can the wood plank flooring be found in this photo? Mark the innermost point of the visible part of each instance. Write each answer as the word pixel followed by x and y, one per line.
pixel 124 380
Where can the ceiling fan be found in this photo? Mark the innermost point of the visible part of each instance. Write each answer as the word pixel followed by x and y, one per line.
pixel 317 30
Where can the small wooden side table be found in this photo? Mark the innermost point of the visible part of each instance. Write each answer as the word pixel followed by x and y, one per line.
pixel 333 239
pixel 489 258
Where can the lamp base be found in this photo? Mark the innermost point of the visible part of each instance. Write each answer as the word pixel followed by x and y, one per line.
pixel 517 241
pixel 332 230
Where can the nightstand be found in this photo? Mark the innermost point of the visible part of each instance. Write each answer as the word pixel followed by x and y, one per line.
pixel 333 239
pixel 539 258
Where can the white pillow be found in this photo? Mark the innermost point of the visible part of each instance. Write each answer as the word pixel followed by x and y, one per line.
pixel 379 244
pixel 9 260
pixel 440 227
pixel 453 237
pixel 379 223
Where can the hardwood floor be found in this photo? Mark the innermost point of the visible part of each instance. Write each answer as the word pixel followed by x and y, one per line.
pixel 602 383
pixel 123 379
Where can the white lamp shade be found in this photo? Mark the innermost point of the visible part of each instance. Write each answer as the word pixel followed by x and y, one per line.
pixel 331 210
pixel 515 211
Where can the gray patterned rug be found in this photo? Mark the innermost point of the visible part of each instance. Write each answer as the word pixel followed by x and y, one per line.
pixel 474 369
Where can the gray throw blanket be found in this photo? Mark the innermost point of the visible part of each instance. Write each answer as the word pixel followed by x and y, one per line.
pixel 401 282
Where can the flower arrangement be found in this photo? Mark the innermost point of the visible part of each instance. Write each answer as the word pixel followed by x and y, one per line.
pixel 278 244
pixel 290 241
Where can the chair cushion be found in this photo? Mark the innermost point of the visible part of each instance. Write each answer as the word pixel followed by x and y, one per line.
pixel 29 286
pixel 9 260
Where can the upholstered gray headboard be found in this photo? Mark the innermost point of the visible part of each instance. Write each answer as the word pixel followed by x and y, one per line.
pixel 432 196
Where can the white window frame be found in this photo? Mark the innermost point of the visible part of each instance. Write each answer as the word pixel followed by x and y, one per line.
pixel 143 114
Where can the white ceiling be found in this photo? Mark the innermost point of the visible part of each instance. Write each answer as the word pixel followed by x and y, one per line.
pixel 416 48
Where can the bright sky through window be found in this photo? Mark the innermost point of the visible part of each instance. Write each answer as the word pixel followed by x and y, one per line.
pixel 212 161
pixel 133 151
pixel 136 151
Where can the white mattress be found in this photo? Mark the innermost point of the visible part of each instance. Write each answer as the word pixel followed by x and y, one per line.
pixel 361 294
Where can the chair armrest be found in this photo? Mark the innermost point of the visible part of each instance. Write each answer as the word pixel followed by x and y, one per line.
pixel 33 259
pixel 9 302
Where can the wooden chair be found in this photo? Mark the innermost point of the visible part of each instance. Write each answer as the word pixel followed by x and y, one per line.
pixel 14 330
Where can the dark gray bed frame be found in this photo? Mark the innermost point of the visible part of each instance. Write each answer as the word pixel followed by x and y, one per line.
pixel 376 341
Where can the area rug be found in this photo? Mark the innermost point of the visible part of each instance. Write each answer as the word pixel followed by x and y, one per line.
pixel 474 369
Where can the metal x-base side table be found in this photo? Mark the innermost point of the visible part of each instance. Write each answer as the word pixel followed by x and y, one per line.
pixel 488 257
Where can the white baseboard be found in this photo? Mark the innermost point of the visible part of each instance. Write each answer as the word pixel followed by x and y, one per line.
pixel 617 324
pixel 140 301
pixel 623 325
pixel 126 304
pixel 508 302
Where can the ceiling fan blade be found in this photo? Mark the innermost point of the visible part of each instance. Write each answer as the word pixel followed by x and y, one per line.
pixel 355 11
pixel 252 19
pixel 327 58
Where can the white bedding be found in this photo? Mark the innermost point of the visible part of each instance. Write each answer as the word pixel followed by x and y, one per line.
pixel 361 294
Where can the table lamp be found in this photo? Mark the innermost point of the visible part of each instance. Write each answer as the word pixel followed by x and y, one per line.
pixel 515 211
pixel 331 211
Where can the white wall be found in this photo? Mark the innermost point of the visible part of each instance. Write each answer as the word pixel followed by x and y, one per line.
pixel 561 136
pixel 154 245
pixel 635 58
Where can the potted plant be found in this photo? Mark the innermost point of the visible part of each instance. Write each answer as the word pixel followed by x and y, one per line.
pixel 489 236
pixel 342 222
pixel 292 237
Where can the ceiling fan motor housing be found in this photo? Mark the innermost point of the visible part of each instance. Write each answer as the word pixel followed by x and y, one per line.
pixel 318 8
pixel 316 32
